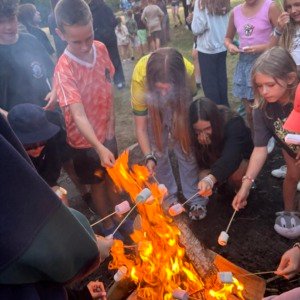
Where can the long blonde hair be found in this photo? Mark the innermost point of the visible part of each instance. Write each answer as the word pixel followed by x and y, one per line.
pixel 166 65
pixel 215 7
pixel 288 33
pixel 278 63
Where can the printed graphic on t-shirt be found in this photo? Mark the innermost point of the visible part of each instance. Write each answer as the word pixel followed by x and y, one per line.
pixel 281 133
pixel 36 69
pixel 248 29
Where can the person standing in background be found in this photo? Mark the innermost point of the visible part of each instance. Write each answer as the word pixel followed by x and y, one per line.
pixel 209 25
pixel 152 17
pixel 104 24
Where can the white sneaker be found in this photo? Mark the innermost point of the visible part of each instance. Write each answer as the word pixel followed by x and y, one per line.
pixel 271 145
pixel 298 186
pixel 280 173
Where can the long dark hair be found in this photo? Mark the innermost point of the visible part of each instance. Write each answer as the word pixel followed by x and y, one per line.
pixel 206 110
pixel 166 65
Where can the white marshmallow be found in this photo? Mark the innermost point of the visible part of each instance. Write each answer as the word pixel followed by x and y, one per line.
pixel 143 195
pixel 176 209
pixel 122 208
pixel 180 294
pixel 163 189
pixel 225 277
pixel 223 238
pixel 61 192
pixel 109 237
pixel 122 271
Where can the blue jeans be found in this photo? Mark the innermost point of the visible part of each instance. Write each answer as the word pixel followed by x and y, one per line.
pixel 188 169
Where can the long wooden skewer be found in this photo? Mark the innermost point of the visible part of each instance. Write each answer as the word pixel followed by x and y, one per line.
pixel 125 218
pixel 191 198
pixel 257 273
pixel 101 220
pixel 229 224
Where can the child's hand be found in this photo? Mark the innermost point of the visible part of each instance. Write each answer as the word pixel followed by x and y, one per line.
pixel 51 98
pixel 189 18
pixel 106 157
pixel 233 49
pixel 96 289
pixel 240 199
pixel 283 20
pixel 205 186
pixel 290 263
pixel 104 246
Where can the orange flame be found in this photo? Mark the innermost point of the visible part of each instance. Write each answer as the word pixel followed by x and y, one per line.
pixel 157 265
pixel 227 290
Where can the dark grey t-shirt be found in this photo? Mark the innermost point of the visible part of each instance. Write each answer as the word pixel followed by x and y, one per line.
pixel 269 122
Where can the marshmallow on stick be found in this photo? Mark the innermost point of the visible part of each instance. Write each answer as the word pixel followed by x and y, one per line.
pixel 177 208
pixel 223 237
pixel 121 273
pixel 120 209
pixel 142 197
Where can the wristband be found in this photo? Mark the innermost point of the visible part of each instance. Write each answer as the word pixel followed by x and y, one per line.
pixel 297 245
pixel 209 181
pixel 276 32
pixel 150 156
pixel 246 177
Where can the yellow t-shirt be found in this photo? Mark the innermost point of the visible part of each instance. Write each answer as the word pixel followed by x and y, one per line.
pixel 139 85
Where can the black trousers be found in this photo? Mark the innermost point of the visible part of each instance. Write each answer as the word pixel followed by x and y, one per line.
pixel 114 55
pixel 214 76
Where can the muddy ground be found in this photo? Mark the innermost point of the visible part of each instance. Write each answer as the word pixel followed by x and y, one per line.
pixel 253 243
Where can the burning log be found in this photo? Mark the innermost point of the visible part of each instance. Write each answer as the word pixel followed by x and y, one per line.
pixel 200 257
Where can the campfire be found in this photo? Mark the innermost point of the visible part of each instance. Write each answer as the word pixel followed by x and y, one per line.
pixel 157 262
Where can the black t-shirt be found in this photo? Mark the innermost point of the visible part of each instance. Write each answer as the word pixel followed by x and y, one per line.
pixel 25 74
pixel 237 145
pixel 42 38
pixel 269 122
pixel 49 163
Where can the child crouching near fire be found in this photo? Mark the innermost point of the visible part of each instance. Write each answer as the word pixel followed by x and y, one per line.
pixel 83 80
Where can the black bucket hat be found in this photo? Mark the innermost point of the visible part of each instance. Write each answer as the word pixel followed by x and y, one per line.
pixel 30 124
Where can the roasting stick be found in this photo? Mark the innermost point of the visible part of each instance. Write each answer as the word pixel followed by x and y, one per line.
pixel 177 208
pixel 191 198
pixel 223 237
pixel 124 219
pixel 154 177
pixel 120 209
pixel 101 220
pixel 229 224
pixel 257 273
